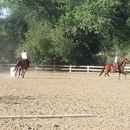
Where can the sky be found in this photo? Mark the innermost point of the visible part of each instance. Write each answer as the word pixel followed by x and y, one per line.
pixel 5 13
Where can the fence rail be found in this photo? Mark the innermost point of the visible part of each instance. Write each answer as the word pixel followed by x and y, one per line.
pixel 65 68
pixel 73 68
pixel 69 68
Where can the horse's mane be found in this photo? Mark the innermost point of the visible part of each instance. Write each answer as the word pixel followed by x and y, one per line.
pixel 123 61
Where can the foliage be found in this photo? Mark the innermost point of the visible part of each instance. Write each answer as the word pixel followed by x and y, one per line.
pixel 46 44
pixel 66 31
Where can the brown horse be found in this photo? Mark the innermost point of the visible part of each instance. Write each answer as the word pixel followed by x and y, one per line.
pixel 112 68
pixel 21 65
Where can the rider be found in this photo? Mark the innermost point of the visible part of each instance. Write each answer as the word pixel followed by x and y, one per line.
pixel 116 61
pixel 24 56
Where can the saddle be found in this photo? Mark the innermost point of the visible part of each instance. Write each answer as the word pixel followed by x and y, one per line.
pixel 27 61
pixel 114 64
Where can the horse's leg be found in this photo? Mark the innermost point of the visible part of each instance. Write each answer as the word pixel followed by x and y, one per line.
pixel 119 74
pixel 125 76
pixel 106 73
pixel 122 73
pixel 19 71
pixel 16 71
pixel 24 73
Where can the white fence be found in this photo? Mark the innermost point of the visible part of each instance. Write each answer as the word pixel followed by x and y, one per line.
pixel 73 68
pixel 69 68
pixel 64 68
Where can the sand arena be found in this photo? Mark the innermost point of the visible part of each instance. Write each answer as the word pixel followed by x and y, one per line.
pixel 48 93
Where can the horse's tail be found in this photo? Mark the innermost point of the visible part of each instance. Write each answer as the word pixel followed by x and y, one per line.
pixel 102 71
pixel 17 65
pixel 15 68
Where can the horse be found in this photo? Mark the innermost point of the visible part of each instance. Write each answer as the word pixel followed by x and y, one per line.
pixel 22 64
pixel 112 68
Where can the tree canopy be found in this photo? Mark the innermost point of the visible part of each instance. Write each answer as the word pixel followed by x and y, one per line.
pixel 65 31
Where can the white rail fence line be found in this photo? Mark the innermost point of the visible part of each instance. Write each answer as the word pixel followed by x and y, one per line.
pixel 69 68
pixel 65 68
pixel 73 68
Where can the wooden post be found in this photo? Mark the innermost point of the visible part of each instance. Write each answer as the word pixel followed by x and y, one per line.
pixel 0 67
pixel 87 69
pixel 54 67
pixel 70 69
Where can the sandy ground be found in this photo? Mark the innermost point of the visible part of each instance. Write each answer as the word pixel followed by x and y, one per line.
pixel 47 93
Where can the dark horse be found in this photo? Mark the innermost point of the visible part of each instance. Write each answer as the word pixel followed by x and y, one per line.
pixel 21 65
pixel 112 68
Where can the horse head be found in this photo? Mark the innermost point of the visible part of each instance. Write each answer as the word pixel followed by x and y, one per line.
pixel 126 61
pixel 123 63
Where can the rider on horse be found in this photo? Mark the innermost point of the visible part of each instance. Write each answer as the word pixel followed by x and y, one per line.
pixel 116 62
pixel 24 56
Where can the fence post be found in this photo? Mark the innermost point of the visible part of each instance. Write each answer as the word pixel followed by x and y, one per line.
pixel 87 69
pixel 0 67
pixel 70 68
pixel 54 68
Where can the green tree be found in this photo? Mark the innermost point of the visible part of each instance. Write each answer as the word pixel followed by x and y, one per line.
pixel 85 28
pixel 46 44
